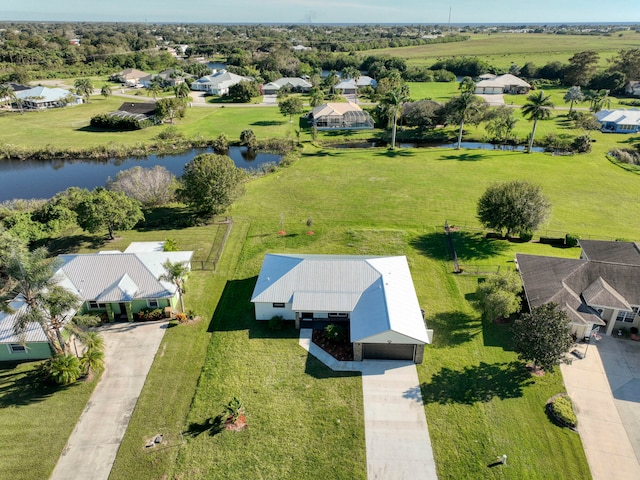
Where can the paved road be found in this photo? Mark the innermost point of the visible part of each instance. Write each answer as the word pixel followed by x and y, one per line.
pixel 395 425
pixel 130 349
pixel 605 389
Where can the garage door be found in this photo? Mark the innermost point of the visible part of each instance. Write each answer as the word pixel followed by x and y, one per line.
pixel 387 351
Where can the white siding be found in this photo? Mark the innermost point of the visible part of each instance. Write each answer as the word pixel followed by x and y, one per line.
pixel 264 311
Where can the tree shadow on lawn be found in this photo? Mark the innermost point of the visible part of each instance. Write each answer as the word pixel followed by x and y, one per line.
pixel 472 384
pixel 71 243
pixel 453 328
pixel 402 152
pixel 465 157
pixel 23 388
pixel 166 218
pixel 269 123
pixel 497 335
pixel 214 426
pixel 321 153
pixel 468 245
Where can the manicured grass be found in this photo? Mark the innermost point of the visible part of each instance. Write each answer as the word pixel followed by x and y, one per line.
pixel 504 49
pixel 440 92
pixel 35 421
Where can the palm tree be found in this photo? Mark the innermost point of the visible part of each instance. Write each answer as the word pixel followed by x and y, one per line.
pixel 574 94
pixel 175 272
pixel 154 89
pixel 7 93
pixel 84 88
pixel 393 102
pixel 467 85
pixel 538 107
pixel 64 369
pixel 463 108
pixel 316 97
pixel 31 275
pixel 181 90
pixel 105 91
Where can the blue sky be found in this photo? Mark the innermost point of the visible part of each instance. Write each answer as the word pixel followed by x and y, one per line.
pixel 324 11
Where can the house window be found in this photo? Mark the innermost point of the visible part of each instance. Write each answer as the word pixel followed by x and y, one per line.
pixel 96 305
pixel 626 316
pixel 278 305
pixel 17 348
pixel 338 315
pixel 152 303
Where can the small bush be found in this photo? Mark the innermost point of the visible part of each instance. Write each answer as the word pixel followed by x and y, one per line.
pixel 170 133
pixel 150 314
pixel 571 240
pixel 562 408
pixel 221 144
pixel 581 144
pixel 276 322
pixel 64 369
pixel 181 317
pixel 526 236
pixel 552 241
pixel 110 122
pixel 335 332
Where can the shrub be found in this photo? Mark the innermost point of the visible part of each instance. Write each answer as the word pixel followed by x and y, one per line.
pixel 110 122
pixel 582 144
pixel 571 240
pixel 150 314
pixel 170 133
pixel 552 241
pixel 64 369
pixel 562 408
pixel 335 332
pixel 181 317
pixel 221 144
pixel 276 322
pixel 526 236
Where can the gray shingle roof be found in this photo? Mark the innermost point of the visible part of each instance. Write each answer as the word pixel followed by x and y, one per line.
pixel 614 252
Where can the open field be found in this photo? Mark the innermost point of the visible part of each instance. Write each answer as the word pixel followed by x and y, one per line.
pixel 504 49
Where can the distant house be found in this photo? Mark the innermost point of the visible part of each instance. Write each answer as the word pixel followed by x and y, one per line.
pixel 137 110
pixel 293 84
pixel 633 88
pixel 168 78
pixel 350 86
pixel 506 83
pixel 619 121
pixel 347 116
pixel 39 98
pixel 300 48
pixel 218 83
pixel 373 296
pixel 117 284
pixel 601 289
pixel 129 76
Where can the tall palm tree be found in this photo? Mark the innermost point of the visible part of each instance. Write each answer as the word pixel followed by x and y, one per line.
pixel 105 91
pixel 393 102
pixel 463 108
pixel 154 89
pixel 7 94
pixel 181 90
pixel 84 88
pixel 31 275
pixel 538 107
pixel 574 94
pixel 175 272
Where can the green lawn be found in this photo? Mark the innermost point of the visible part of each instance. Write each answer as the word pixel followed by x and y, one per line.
pixel 504 49
pixel 35 421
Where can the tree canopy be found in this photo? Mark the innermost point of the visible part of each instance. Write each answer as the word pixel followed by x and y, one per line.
pixel 497 296
pixel 152 187
pixel 210 183
pixel 515 207
pixel 542 336
pixel 290 106
pixel 103 209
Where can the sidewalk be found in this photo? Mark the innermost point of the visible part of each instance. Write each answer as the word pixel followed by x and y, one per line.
pixel 606 442
pixel 396 432
pixel 92 447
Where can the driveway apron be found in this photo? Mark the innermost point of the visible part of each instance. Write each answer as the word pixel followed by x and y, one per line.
pixel 92 447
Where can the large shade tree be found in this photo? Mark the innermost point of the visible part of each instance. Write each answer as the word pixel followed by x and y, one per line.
pixel 538 107
pixel 513 207
pixel 290 106
pixel 152 187
pixel 210 184
pixel 543 336
pixel 497 297
pixel 103 209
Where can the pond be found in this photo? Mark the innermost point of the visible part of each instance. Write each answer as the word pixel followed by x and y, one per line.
pixel 44 178
pixel 469 145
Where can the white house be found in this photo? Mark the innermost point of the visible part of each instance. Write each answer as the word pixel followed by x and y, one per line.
pixel 350 86
pixel 506 83
pixel 375 295
pixel 218 83
pixel 292 83
pixel 39 98
pixel 620 120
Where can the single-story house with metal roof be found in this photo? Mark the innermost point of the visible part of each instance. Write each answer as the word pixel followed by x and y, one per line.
pixel 599 290
pixel 118 284
pixel 619 121
pixel 350 86
pixel 168 78
pixel 38 98
pixel 506 83
pixel 129 76
pixel 346 116
pixel 374 294
pixel 294 84
pixel 219 82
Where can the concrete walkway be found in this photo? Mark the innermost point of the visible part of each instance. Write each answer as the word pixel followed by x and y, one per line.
pixel 605 389
pixel 396 431
pixel 130 349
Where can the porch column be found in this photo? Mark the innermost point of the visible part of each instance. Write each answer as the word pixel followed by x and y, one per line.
pixel 110 315
pixel 298 320
pixel 612 321
pixel 419 354
pixel 357 352
pixel 127 307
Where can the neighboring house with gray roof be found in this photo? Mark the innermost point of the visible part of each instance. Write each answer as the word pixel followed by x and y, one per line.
pixel 373 296
pixel 506 83
pixel 118 284
pixel 218 82
pixel 350 86
pixel 601 289
pixel 292 84
pixel 40 98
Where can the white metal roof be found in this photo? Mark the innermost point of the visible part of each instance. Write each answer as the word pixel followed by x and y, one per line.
pixel 33 331
pixel 621 116
pixel 378 292
pixel 137 247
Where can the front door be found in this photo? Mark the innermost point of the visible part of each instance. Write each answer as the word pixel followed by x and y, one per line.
pixel 123 310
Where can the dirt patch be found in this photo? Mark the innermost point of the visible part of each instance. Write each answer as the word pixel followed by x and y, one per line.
pixel 342 351
pixel 537 371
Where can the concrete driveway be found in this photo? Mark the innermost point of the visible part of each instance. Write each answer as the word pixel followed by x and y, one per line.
pixel 605 389
pixel 130 349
